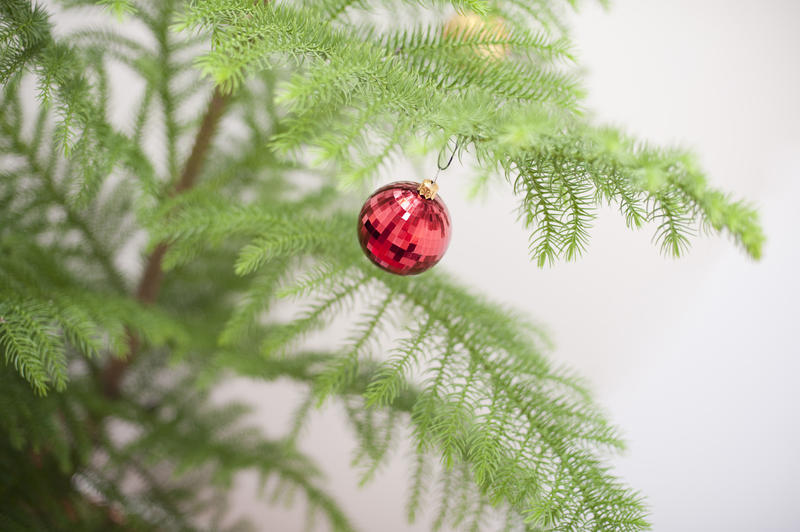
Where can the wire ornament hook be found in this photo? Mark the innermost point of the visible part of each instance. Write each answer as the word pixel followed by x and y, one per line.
pixel 439 166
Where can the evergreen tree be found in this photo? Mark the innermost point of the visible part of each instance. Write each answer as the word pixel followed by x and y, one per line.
pixel 260 112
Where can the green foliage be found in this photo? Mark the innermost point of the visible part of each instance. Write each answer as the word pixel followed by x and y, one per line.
pixel 487 401
pixel 71 81
pixel 517 113
pixel 319 94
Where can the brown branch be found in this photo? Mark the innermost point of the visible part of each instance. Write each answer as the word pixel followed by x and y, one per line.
pixel 153 275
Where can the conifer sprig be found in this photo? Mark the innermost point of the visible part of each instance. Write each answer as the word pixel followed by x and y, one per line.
pixel 511 112
pixel 487 401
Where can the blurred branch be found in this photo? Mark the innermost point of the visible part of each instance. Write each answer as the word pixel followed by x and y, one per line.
pixel 152 277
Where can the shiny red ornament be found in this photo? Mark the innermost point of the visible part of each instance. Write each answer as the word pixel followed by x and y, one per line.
pixel 401 230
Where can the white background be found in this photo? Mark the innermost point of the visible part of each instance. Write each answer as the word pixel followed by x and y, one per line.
pixel 696 359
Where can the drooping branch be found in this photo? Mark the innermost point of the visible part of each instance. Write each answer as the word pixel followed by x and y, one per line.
pixel 153 274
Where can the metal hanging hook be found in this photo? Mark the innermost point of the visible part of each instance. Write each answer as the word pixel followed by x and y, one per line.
pixel 439 164
pixel 428 188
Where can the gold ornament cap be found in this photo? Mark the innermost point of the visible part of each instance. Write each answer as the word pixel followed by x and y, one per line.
pixel 428 189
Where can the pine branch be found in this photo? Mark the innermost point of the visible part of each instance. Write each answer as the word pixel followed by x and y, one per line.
pixel 487 386
pixel 100 254
pixel 509 113
pixel 153 274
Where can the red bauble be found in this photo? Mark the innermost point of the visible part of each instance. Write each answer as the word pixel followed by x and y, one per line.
pixel 401 230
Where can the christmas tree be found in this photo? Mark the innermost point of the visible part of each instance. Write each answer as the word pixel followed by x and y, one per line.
pixel 229 166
